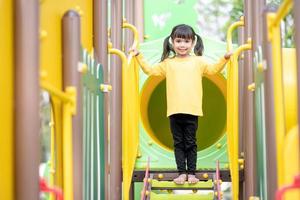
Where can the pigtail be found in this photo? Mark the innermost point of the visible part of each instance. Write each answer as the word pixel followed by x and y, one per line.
pixel 198 49
pixel 167 48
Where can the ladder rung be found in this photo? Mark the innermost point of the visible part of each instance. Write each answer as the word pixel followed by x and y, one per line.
pixel 154 196
pixel 201 185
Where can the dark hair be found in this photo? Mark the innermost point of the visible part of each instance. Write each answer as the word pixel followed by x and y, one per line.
pixel 182 31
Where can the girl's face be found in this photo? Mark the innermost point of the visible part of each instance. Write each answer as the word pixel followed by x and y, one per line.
pixel 182 46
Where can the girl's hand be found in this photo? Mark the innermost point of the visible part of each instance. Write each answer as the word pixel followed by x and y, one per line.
pixel 228 55
pixel 134 51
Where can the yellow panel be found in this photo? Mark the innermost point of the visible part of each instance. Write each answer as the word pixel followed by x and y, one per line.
pixel 6 100
pixel 291 161
pixel 51 13
pixel 290 86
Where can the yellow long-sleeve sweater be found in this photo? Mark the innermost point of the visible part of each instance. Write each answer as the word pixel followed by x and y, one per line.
pixel 184 81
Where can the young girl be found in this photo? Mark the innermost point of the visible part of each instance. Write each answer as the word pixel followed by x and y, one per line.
pixel 183 72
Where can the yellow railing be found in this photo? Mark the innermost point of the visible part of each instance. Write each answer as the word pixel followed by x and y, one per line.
pixel 273 21
pixel 232 107
pixel 69 109
pixel 135 33
pixel 231 28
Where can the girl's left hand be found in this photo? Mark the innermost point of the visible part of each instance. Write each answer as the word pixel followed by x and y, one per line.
pixel 228 55
pixel 134 51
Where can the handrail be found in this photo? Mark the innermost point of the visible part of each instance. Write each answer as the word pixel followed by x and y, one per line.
pixel 135 33
pixel 273 24
pixel 282 12
pixel 232 106
pixel 243 47
pixel 231 28
pixel 232 116
pixel 118 52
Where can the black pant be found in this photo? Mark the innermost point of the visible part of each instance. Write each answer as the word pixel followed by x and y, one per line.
pixel 183 128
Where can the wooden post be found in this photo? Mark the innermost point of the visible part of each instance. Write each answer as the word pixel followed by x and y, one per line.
pixel 116 103
pixel 71 45
pixel 248 122
pixel 27 99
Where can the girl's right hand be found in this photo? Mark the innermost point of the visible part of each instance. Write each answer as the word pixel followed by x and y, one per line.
pixel 134 51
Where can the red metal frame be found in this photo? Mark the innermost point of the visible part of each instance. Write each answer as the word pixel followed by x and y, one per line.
pixel 56 191
pixel 146 183
pixel 295 185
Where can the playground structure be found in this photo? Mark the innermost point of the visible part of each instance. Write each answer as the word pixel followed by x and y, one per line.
pixel 107 118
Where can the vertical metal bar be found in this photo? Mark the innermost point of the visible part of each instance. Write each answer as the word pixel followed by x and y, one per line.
pixel 248 126
pixel 139 17
pixel 296 10
pixel 27 122
pixel 242 87
pixel 116 104
pixel 71 77
pixel 269 109
pixel 129 16
pixel 100 28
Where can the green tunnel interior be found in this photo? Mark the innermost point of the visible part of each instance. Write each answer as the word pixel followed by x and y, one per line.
pixel 211 126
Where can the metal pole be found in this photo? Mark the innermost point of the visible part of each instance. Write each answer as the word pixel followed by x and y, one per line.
pixel 27 91
pixel 71 77
pixel 296 10
pixel 116 104
pixel 269 108
pixel 242 87
pixel 101 56
pixel 249 132
pixel 129 16
pixel 139 17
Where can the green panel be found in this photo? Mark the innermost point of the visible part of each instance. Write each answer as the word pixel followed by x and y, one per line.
pixel 260 128
pixel 159 20
pixel 93 136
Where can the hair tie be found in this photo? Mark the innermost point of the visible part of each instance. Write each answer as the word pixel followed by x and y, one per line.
pixel 195 40
pixel 170 41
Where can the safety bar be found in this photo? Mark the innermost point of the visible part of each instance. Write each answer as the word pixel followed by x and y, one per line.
pixel 282 12
pixel 69 108
pixel 274 36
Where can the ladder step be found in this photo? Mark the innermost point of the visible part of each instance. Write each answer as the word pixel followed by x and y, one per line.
pixel 168 185
pixel 154 196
